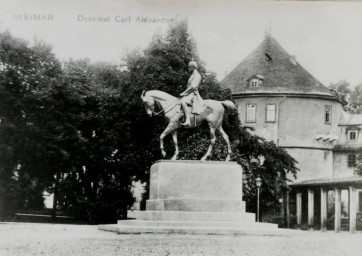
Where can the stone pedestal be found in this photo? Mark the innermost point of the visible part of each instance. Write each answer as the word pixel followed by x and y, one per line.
pixel 195 186
pixel 194 197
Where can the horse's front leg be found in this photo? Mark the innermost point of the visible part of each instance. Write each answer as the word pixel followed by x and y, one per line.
pixel 212 142
pixel 170 127
pixel 174 137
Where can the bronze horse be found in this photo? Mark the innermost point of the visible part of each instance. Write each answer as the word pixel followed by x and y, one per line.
pixel 213 114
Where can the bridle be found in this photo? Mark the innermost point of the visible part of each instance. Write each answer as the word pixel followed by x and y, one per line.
pixel 165 111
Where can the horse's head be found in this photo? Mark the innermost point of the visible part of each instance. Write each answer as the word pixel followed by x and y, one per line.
pixel 149 103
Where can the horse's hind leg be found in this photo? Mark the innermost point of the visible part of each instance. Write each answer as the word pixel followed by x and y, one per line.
pixel 174 137
pixel 226 138
pixel 212 142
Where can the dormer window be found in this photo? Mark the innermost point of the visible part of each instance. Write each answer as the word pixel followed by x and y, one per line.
pixel 352 135
pixel 255 80
pixel 254 83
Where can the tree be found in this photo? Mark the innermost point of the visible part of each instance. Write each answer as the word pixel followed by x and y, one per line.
pixel 358 169
pixel 95 188
pixel 25 71
pixel 342 88
pixel 60 131
pixel 352 95
pixel 163 66
pixel 355 100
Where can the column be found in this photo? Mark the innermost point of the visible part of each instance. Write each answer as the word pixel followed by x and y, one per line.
pixel 324 197
pixel 287 210
pixel 299 209
pixel 352 209
pixel 310 209
pixel 337 210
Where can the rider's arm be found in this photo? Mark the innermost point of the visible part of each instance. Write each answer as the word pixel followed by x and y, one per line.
pixel 187 91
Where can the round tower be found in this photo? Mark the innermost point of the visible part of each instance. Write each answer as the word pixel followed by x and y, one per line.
pixel 284 103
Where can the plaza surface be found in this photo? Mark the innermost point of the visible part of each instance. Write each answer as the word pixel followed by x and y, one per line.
pixel 57 239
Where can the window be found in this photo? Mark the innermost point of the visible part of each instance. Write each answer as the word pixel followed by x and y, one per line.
pixel 352 135
pixel 352 160
pixel 250 113
pixel 327 114
pixel 255 80
pixel 270 113
pixel 254 83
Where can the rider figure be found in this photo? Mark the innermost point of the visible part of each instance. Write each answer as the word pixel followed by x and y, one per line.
pixel 189 95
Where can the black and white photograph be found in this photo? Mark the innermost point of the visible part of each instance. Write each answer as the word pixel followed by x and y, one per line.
pixel 158 127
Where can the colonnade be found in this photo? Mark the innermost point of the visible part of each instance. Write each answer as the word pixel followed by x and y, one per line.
pixel 352 211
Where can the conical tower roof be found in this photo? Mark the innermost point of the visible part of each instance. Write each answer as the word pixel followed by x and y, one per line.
pixel 278 71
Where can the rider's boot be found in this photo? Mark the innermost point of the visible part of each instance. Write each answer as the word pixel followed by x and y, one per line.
pixel 187 115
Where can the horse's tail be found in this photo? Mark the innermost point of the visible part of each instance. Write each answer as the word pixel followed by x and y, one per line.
pixel 228 104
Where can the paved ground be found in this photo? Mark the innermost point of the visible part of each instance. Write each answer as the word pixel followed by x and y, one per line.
pixel 57 239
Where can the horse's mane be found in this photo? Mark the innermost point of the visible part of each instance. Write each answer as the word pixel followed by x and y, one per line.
pixel 161 95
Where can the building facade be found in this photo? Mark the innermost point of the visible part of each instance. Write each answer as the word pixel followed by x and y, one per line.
pixel 285 104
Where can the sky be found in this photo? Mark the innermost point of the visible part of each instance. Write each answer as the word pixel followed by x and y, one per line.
pixel 325 37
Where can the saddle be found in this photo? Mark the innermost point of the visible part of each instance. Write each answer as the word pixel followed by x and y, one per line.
pixel 198 105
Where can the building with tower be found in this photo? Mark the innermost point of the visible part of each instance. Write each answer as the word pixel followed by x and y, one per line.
pixel 285 104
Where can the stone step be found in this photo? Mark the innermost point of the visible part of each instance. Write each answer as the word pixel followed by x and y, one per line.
pixel 147 223
pixel 192 216
pixel 122 229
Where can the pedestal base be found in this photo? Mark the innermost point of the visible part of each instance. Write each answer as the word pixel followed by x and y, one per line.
pixel 195 205
pixel 193 216
pixel 194 197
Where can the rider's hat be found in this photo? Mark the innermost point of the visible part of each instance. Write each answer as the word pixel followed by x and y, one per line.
pixel 193 64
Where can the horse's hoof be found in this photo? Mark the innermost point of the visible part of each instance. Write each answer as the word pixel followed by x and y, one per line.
pixel 186 124
pixel 203 159
pixel 227 159
pixel 164 154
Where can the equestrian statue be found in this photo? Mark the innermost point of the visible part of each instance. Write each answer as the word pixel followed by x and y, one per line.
pixel 192 107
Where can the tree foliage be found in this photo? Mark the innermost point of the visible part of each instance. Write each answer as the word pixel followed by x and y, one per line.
pixel 355 100
pixel 353 96
pixel 342 88
pixel 26 71
pixel 358 168
pixel 96 187
pixel 61 126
